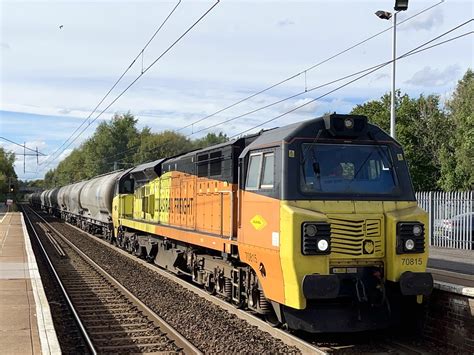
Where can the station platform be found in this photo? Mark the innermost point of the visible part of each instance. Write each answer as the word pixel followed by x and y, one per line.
pixel 26 326
pixel 454 267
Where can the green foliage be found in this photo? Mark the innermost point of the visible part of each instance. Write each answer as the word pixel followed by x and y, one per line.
pixel 119 144
pixel 210 139
pixel 7 173
pixel 420 129
pixel 438 144
pixel 457 155
pixel 161 145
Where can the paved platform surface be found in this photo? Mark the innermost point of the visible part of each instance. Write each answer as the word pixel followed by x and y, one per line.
pixel 455 260
pixel 454 266
pixel 26 326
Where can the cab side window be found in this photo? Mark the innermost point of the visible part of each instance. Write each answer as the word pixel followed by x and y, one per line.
pixel 261 171
pixel 268 168
pixel 253 172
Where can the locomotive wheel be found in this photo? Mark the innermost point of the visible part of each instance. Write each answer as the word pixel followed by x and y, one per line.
pixel 211 288
pixel 239 305
pixel 272 320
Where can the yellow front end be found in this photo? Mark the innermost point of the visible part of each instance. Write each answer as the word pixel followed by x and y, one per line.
pixel 363 233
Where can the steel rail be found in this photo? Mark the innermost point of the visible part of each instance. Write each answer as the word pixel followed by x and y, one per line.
pixel 82 329
pixel 287 338
pixel 172 333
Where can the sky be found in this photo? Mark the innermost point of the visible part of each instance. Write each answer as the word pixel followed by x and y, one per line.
pixel 52 77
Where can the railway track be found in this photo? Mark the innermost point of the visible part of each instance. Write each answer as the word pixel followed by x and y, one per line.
pixel 110 318
pixel 324 344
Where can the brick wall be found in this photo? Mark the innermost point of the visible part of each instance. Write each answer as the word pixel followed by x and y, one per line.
pixel 450 321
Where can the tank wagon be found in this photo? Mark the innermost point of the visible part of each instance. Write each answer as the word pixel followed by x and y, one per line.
pixel 314 224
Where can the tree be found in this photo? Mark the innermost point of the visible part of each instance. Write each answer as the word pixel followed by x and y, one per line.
pixel 210 139
pixel 7 173
pixel 110 142
pixel 457 155
pixel 155 146
pixel 420 129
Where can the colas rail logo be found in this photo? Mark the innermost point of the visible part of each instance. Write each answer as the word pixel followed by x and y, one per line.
pixel 258 222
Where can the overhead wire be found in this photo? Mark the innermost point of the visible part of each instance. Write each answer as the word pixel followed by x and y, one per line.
pixel 366 72
pixel 23 146
pixel 140 53
pixel 286 80
pixel 374 68
pixel 138 77
pixel 307 69
pixel 411 52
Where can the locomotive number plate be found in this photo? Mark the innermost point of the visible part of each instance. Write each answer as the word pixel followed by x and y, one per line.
pixel 412 261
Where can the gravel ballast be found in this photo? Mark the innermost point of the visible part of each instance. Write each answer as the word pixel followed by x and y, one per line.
pixel 203 323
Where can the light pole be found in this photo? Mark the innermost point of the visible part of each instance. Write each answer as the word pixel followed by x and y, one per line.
pixel 400 5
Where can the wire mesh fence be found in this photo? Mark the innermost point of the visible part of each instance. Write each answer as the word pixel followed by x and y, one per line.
pixel 451 218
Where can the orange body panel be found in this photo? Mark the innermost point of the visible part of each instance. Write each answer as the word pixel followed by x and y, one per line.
pixel 257 257
pixel 259 239
pixel 196 238
pixel 259 220
pixel 203 212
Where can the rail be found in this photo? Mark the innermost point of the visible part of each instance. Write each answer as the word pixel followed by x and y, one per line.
pixel 82 329
pixel 173 334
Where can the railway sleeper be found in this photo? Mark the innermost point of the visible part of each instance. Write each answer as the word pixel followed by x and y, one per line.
pixel 127 338
pixel 106 311
pixel 100 303
pixel 218 273
pixel 125 332
pixel 124 327
pixel 142 347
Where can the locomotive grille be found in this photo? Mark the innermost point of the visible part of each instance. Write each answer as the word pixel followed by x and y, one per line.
pixel 356 237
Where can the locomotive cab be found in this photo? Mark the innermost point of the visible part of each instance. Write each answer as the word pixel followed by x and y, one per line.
pixel 341 212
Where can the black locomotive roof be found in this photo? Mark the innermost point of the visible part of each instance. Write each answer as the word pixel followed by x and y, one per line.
pixel 146 171
pixel 310 128
pixel 277 135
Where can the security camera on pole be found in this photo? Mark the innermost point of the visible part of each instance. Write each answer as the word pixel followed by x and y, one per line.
pixel 400 5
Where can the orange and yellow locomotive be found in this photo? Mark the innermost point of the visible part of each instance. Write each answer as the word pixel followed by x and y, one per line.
pixel 314 224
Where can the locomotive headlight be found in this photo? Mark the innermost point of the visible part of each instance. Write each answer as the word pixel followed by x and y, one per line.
pixel 348 123
pixel 417 230
pixel 315 238
pixel 409 244
pixel 311 230
pixel 323 245
pixel 410 237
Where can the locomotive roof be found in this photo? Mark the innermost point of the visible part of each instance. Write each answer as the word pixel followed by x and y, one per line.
pixel 310 128
pixel 146 171
pixel 279 134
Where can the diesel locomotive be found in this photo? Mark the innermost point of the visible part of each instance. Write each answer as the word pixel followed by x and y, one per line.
pixel 314 225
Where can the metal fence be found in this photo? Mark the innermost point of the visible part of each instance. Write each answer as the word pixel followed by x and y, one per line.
pixel 451 218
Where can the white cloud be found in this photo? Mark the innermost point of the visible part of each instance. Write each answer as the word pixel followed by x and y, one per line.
pixel 64 111
pixel 286 22
pixel 380 76
pixel 429 77
pixel 25 166
pixel 425 22
pixel 309 106
pixel 446 96
pixel 4 45
pixel 231 54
